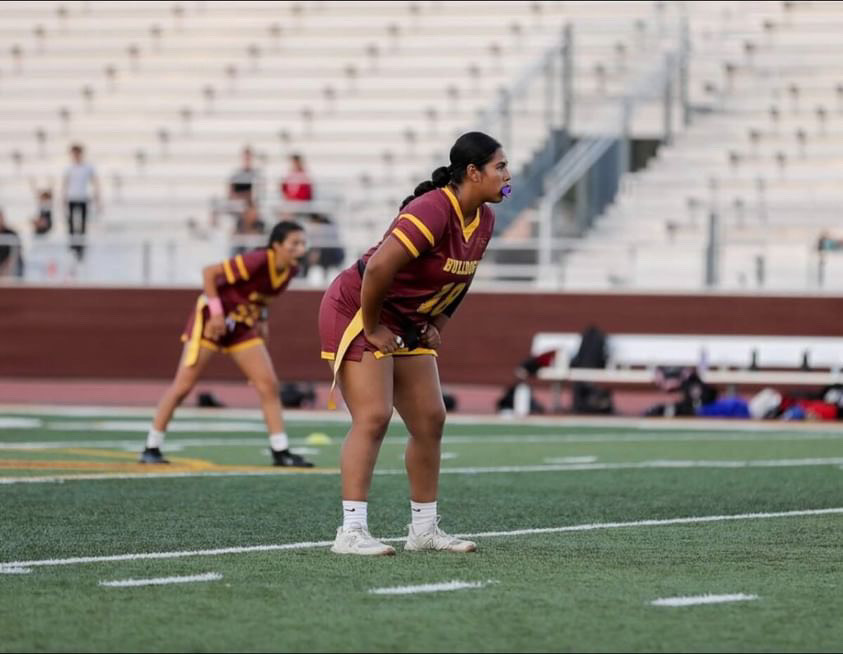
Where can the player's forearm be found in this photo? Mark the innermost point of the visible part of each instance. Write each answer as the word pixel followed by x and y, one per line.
pixel 376 282
pixel 209 280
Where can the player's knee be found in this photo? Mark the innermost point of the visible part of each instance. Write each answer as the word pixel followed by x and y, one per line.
pixel 267 387
pixel 376 421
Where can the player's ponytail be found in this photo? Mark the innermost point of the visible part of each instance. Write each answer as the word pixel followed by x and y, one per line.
pixel 438 178
pixel 474 148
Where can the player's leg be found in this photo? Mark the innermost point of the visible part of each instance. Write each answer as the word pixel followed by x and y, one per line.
pixel 183 382
pixel 256 364
pixel 366 387
pixel 418 399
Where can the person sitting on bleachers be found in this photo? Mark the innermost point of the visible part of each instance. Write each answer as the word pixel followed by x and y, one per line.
pixel 243 183
pixel 11 259
pixel 297 185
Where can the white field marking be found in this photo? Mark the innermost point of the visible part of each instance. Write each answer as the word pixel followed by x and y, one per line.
pixel 560 467
pixel 449 440
pixel 486 534
pixel 309 416
pixel 429 588
pixel 7 422
pixel 161 581
pixel 141 426
pixel 702 599
pixel 444 456
pixel 14 571
pixel 571 459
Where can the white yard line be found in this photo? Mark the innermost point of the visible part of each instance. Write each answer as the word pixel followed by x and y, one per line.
pixel 428 588
pixel 485 534
pixel 703 599
pixel 665 464
pixel 14 571
pixel 400 441
pixel 161 581
pixel 341 416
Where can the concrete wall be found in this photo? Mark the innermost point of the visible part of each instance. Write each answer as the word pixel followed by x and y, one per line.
pixel 112 333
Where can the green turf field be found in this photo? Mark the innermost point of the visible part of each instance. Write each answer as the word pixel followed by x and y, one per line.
pixel 579 528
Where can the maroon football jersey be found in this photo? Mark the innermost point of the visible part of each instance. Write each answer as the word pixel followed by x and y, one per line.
pixel 446 248
pixel 250 281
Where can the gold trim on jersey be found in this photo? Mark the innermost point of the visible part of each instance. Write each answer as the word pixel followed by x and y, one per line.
pixel 229 273
pixel 420 226
pixel 241 267
pixel 275 277
pixel 467 230
pixel 191 355
pixel 328 356
pixel 401 236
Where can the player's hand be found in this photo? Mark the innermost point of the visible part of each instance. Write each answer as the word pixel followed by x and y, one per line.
pixel 430 336
pixel 215 327
pixel 383 339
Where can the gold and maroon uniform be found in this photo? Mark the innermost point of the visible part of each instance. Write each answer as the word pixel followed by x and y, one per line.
pixel 446 248
pixel 248 283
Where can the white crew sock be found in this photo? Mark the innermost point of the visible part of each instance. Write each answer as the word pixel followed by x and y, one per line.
pixel 279 442
pixel 155 438
pixel 423 515
pixel 354 514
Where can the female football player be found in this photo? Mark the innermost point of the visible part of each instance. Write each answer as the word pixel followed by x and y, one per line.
pixel 231 317
pixel 380 323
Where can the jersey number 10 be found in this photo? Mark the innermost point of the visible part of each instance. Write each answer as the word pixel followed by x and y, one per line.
pixel 444 296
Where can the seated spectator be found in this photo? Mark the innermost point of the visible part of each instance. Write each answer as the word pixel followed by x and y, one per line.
pixel 11 259
pixel 827 243
pixel 327 252
pixel 42 223
pixel 296 185
pixel 249 224
pixel 242 185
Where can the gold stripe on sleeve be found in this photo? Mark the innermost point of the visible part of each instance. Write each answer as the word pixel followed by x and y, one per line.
pixel 241 267
pixel 401 236
pixel 229 273
pixel 420 225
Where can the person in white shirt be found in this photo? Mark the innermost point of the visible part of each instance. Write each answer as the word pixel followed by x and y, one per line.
pixel 78 177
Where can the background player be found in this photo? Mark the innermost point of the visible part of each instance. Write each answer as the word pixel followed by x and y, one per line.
pixel 380 323
pixel 231 317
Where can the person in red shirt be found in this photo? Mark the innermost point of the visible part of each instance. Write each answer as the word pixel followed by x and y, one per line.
pixel 380 325
pixel 232 317
pixel 296 186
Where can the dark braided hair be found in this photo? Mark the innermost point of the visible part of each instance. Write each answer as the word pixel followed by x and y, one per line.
pixel 471 148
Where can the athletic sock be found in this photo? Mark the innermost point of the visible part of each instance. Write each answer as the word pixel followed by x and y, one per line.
pixel 354 514
pixel 154 439
pixel 279 442
pixel 423 515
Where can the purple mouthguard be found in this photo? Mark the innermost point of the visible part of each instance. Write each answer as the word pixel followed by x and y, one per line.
pixel 506 191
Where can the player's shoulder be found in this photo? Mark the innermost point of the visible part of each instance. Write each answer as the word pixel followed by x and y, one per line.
pixel 432 201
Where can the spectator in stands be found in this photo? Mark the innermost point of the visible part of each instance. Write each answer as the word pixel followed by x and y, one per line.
pixel 296 185
pixel 11 259
pixel 42 223
pixel 248 224
pixel 78 177
pixel 328 252
pixel 243 183
pixel 232 317
pixel 827 243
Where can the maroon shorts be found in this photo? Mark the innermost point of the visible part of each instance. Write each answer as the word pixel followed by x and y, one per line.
pixel 337 313
pixel 237 336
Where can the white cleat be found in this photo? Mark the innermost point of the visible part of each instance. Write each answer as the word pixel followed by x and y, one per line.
pixel 358 540
pixel 436 540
